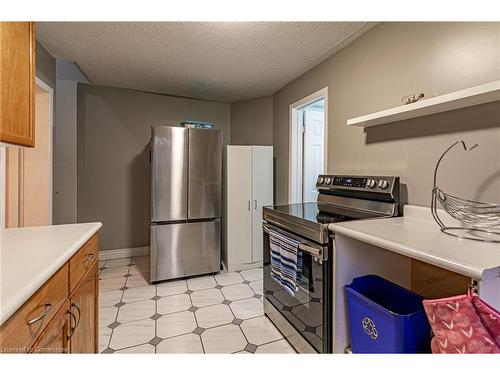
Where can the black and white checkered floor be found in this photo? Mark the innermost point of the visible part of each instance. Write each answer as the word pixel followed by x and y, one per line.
pixel 208 314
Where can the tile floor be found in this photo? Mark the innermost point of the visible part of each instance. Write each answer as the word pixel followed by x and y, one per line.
pixel 209 314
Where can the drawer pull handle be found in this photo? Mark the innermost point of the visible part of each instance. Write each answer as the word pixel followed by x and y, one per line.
pixel 87 260
pixel 48 308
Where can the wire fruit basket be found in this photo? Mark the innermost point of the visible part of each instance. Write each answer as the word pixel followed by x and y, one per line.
pixel 479 221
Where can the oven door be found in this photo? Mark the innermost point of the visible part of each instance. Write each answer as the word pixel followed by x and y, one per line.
pixel 307 310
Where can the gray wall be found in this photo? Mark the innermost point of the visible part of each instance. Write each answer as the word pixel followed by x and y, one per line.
pixel 252 122
pixel 65 153
pixel 45 69
pixel 65 143
pixel 113 158
pixel 45 66
pixel 373 73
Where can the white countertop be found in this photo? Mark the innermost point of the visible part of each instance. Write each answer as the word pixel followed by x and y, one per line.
pixel 30 256
pixel 417 236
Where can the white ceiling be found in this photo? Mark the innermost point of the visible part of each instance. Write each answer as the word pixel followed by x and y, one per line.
pixel 223 61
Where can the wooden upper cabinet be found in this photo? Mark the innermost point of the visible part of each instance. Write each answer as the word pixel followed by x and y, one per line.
pixel 17 83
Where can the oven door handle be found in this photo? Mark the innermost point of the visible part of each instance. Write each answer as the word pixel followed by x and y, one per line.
pixel 316 252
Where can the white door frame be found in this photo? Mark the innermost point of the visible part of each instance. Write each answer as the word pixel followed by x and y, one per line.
pixel 295 143
pixel 49 90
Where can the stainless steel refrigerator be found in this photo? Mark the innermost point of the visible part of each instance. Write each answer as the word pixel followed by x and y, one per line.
pixel 186 196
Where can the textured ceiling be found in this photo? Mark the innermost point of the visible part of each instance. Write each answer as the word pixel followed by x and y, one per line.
pixel 224 61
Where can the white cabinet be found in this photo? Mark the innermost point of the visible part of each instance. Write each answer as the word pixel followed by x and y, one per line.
pixel 249 187
pixel 238 205
pixel 262 193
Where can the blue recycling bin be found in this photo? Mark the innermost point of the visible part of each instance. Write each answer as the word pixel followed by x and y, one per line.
pixel 385 317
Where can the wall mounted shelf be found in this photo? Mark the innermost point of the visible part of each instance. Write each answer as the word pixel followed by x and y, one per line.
pixel 486 93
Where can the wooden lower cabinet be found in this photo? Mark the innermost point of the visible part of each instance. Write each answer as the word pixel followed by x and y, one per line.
pixel 81 262
pixel 83 303
pixel 54 340
pixel 433 282
pixel 61 316
pixel 21 330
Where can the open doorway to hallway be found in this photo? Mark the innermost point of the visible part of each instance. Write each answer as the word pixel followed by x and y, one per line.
pixel 308 128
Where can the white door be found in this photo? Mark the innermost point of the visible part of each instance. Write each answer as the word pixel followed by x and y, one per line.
pixel 239 204
pixel 262 187
pixel 313 153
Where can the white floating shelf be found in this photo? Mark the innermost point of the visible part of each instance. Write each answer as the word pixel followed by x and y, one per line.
pixel 486 93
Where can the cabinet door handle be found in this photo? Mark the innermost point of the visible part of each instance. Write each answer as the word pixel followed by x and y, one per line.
pixel 255 203
pixel 79 313
pixel 73 317
pixel 48 308
pixel 248 205
pixel 71 327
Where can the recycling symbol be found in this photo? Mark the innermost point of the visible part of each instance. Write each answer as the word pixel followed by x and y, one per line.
pixel 369 328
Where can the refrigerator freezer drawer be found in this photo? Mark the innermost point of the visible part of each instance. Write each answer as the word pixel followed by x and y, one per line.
pixel 185 249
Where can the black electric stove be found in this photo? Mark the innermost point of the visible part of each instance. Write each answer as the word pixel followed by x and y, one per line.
pixel 305 317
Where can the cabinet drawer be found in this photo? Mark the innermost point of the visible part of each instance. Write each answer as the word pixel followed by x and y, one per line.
pixel 54 340
pixel 81 262
pixel 21 330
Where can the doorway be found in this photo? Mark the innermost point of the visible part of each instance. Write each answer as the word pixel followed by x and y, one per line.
pixel 26 173
pixel 308 145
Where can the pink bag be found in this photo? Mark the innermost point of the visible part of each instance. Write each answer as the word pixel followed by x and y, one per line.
pixel 463 324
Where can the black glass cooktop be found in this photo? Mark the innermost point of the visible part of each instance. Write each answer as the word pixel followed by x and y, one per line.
pixel 321 213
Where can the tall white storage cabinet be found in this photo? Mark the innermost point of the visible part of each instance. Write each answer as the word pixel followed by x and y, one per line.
pixel 249 187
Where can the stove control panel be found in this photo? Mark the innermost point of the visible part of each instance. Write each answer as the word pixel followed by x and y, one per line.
pixel 372 184
pixel 349 181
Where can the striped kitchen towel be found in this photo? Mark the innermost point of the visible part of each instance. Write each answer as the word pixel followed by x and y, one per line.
pixel 286 261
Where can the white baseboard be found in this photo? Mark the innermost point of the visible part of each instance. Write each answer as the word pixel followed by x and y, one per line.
pixel 126 252
pixel 241 266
